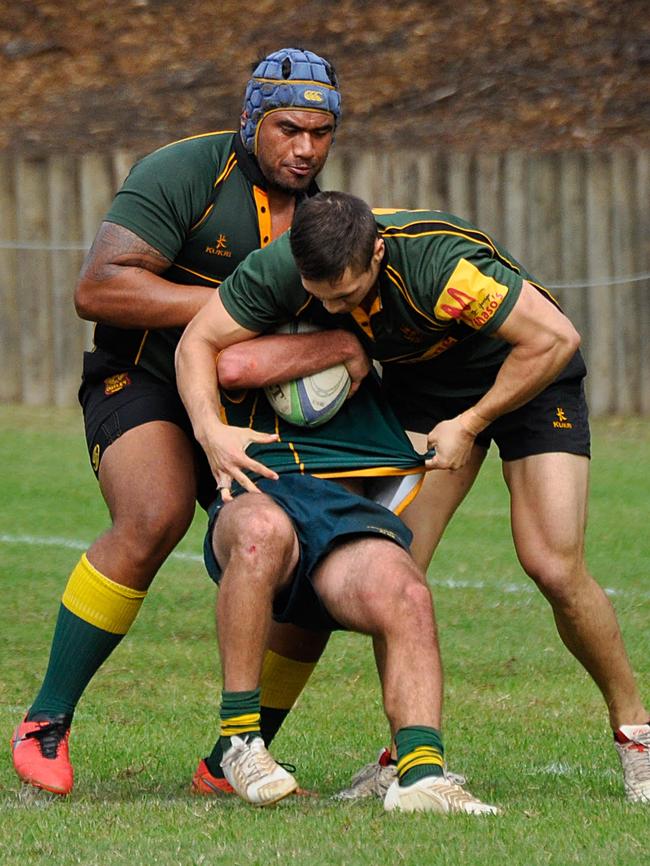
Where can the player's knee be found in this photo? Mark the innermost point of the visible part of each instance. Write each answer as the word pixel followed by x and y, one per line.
pixel 399 602
pixel 152 530
pixel 558 577
pixel 258 535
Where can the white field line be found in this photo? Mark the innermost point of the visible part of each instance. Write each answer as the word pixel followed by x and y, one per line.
pixel 448 583
pixel 74 544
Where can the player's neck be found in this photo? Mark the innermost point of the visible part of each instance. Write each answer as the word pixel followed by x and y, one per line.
pixel 282 206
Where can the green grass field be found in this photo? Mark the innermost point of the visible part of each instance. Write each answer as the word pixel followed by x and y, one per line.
pixel 523 722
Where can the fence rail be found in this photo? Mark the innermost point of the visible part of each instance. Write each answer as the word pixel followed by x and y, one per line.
pixel 579 221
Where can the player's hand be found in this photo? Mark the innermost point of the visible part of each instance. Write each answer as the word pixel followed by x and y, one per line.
pixel 453 445
pixel 225 448
pixel 357 364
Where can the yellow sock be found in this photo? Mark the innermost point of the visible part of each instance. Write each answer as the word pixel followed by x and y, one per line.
pixel 100 601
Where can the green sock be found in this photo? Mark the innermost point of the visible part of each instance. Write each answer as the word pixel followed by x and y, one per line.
pixel 420 753
pixel 78 650
pixel 94 616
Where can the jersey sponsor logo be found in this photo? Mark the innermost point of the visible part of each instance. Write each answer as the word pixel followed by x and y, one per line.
pixel 470 296
pixel 562 420
pixel 432 352
pixel 219 247
pixel 411 334
pixel 116 383
pixel 314 96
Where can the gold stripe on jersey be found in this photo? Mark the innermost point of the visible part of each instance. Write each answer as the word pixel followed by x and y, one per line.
pixel 230 164
pixel 302 309
pixel 141 347
pixel 197 274
pixel 251 417
pixel 544 292
pixel 395 277
pixel 423 228
pixel 198 135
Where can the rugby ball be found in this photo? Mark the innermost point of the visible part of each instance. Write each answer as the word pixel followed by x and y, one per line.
pixel 311 400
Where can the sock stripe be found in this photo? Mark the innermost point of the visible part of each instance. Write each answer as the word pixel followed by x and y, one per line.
pixel 237 725
pixel 418 757
pixel 97 600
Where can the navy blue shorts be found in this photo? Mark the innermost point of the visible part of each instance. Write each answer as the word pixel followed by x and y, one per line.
pixel 117 396
pixel 324 514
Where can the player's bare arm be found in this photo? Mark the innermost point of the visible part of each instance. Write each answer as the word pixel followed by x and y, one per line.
pixel 276 358
pixel 121 284
pixel 543 342
pixel 212 330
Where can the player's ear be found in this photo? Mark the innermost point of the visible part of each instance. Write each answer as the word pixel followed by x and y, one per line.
pixel 378 254
pixel 243 119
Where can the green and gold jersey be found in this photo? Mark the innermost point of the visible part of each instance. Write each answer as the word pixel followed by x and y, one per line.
pixel 201 202
pixel 443 289
pixel 363 440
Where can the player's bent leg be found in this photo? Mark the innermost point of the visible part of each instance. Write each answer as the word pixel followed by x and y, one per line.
pixel 256 547
pixel 106 588
pixel 392 603
pixel 549 504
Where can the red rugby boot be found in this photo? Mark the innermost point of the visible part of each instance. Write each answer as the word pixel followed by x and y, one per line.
pixel 40 754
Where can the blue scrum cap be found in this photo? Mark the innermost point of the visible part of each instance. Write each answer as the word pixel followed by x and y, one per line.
pixel 288 78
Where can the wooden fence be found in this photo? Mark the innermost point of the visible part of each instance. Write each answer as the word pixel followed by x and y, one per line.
pixel 579 221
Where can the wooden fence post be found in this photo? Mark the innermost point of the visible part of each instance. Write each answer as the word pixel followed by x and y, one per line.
pixel 10 375
pixel 68 331
pixel 97 188
pixel 489 195
pixel 573 241
pixel 599 271
pixel 461 202
pixel 624 296
pixel 515 205
pixel 641 206
pixel 34 281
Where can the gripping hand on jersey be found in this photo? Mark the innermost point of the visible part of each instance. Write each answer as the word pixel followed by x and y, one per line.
pixel 452 441
pixel 225 448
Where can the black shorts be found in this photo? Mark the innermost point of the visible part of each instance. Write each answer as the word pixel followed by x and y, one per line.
pixel 117 396
pixel 324 514
pixel 556 420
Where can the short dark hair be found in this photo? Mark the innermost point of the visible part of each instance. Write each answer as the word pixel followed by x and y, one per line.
pixel 330 232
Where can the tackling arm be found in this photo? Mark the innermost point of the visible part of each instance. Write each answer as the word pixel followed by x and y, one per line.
pixel 543 342
pixel 210 331
pixel 120 284
pixel 278 358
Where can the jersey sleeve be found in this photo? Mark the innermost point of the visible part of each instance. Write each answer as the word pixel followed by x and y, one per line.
pixel 469 282
pixel 265 290
pixel 165 195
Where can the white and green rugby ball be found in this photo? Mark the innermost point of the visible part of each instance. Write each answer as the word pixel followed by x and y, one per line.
pixel 311 400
